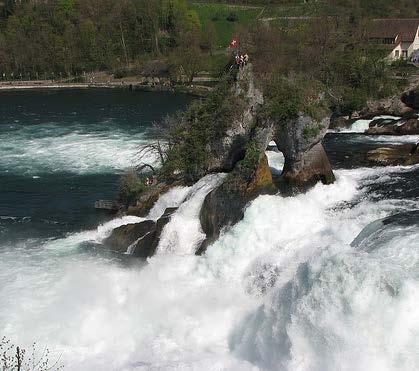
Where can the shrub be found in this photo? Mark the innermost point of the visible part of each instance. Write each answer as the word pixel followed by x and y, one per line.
pixel 131 187
pixel 189 140
pixel 232 17
pixel 251 158
pixel 17 358
pixel 287 97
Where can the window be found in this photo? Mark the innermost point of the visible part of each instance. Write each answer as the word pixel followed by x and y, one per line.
pixel 397 53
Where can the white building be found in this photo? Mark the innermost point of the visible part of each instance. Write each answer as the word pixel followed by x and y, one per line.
pixel 400 37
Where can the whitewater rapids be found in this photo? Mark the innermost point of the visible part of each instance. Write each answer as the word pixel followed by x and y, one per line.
pixel 282 290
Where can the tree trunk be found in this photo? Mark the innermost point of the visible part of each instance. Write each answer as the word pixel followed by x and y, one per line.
pixel 123 44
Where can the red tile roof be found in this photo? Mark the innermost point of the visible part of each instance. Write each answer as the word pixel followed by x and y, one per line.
pixel 390 28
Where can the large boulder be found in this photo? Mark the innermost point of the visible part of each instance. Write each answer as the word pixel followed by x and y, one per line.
pixel 388 106
pixel 224 206
pixel 147 200
pixel 408 125
pixel 411 98
pixel 306 161
pixel 340 122
pixel 139 239
pixel 406 154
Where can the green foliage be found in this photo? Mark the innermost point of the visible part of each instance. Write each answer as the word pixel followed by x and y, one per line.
pixel 364 76
pixel 232 17
pixel 226 20
pixel 72 36
pixel 66 6
pixel 287 97
pixel 131 187
pixel 251 159
pixel 331 51
pixel 204 122
pixel 311 131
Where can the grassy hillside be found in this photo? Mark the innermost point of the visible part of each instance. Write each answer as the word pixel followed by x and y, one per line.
pixel 226 19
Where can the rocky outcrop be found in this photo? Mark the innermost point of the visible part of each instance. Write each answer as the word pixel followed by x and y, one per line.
pixel 224 206
pixel 228 149
pixel 411 98
pixel 108 205
pixel 408 125
pixel 239 149
pixel 139 239
pixel 393 106
pixel 340 122
pixel 406 154
pixel 147 200
pixel 306 161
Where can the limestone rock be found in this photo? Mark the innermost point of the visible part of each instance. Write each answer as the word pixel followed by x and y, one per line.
pixel 108 205
pixel 388 106
pixel 306 161
pixel 125 235
pixel 411 98
pixel 139 239
pixel 409 127
pixel 340 122
pixel 311 167
pixel 405 126
pixel 145 203
pixel 227 150
pixel 406 154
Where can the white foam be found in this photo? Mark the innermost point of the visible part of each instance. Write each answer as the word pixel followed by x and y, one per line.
pixel 276 161
pixel 283 289
pixel 183 233
pixel 74 152
pixel 360 126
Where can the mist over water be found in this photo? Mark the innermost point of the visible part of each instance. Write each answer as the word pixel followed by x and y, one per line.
pixel 321 281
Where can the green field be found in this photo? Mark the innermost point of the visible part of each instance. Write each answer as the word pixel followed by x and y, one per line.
pixel 217 14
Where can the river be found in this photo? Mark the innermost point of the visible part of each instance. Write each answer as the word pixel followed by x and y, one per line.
pixel 293 286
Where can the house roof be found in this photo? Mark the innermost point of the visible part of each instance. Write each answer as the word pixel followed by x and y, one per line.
pixel 391 28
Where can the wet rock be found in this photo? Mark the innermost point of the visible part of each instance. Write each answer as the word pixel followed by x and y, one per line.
pixel 311 167
pixel 409 127
pixel 382 127
pixel 340 122
pixel 393 106
pixel 411 98
pixel 406 154
pixel 224 206
pixel 139 239
pixel 306 161
pixel 405 126
pixel 108 205
pixel 125 235
pixel 147 245
pixel 146 202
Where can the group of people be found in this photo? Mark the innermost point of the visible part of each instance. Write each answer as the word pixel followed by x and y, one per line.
pixel 149 181
pixel 241 60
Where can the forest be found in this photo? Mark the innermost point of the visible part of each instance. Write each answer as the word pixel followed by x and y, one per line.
pixel 42 39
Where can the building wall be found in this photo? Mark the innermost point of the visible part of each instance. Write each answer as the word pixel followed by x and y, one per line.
pixel 415 45
pixel 396 53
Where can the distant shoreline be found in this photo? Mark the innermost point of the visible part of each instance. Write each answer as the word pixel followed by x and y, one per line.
pixel 197 90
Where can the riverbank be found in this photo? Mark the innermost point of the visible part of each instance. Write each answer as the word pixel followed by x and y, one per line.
pixel 154 86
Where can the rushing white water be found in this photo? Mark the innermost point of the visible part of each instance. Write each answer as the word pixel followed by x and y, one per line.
pixel 359 126
pixel 282 290
pixel 183 233
pixel 276 161
pixel 47 149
